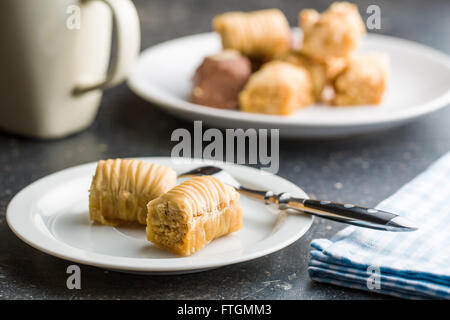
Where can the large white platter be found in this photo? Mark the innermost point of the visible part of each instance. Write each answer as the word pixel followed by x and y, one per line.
pixel 52 215
pixel 419 83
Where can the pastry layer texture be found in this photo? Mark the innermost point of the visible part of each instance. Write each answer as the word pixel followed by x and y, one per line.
pixel 337 32
pixel 363 82
pixel 279 88
pixel 260 35
pixel 121 189
pixel 192 214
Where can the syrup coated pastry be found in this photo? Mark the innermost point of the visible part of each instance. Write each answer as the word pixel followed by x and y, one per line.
pixel 337 32
pixel 363 81
pixel 278 88
pixel 189 216
pixel 121 189
pixel 260 35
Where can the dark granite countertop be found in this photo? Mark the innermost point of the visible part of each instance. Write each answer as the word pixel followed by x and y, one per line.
pixel 363 169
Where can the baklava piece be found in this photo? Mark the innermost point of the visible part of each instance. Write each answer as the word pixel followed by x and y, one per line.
pixel 192 214
pixel 121 189
pixel 278 88
pixel 336 32
pixel 260 35
pixel 363 81
pixel 219 79
pixel 322 73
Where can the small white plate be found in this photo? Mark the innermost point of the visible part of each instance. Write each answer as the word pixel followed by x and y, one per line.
pixel 52 215
pixel 419 83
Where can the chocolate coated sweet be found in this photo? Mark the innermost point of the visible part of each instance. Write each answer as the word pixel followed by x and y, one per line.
pixel 219 79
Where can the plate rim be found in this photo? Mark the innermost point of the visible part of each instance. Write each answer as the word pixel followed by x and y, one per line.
pixel 53 246
pixel 174 104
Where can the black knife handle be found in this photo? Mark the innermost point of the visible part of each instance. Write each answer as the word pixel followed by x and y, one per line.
pixel 350 211
pixel 342 212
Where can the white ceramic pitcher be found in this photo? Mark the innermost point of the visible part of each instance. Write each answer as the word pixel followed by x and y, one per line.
pixel 54 61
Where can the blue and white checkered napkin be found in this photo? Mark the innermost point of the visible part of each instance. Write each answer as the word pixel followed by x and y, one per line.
pixel 410 264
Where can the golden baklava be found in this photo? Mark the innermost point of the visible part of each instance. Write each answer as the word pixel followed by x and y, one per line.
pixel 192 214
pixel 260 35
pixel 278 88
pixel 363 81
pixel 121 189
pixel 322 73
pixel 337 32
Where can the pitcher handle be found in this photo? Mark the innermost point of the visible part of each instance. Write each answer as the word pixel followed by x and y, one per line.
pixel 126 44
